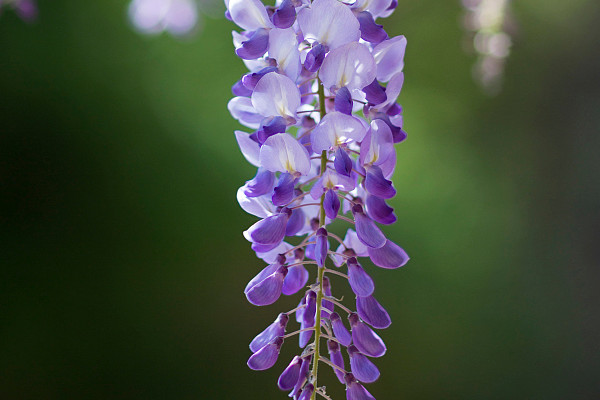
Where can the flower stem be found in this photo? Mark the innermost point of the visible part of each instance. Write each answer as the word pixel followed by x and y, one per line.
pixel 321 273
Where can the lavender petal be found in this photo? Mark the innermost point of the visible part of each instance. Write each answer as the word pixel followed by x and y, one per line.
pixel 266 357
pixel 361 283
pixel 388 256
pixel 362 368
pixel 372 312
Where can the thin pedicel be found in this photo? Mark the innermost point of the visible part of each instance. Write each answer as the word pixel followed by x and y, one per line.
pixel 314 67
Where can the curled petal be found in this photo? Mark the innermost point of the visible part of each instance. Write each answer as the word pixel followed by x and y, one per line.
pixel 377 185
pixel 258 206
pixel 321 247
pixel 377 8
pixel 255 47
pixel 249 14
pixel 308 317
pixel 249 148
pixel 362 368
pixel 314 58
pixel 266 357
pixel 268 290
pixel 375 93
pixel 304 337
pixel 331 204
pixel 274 330
pixel 389 56
pixel 285 15
pixel 289 377
pixel 379 211
pixel 388 256
pixel 307 392
pixel 372 312
pixel 329 22
pixel 268 231
pixel 377 145
pixel 360 282
pixel 302 376
pixel 283 193
pixel 283 153
pixel 238 89
pixel 241 108
pixel 335 355
pixel 276 94
pixel 339 329
pixel 261 184
pixel 251 79
pixel 295 280
pixel 336 129
pixel 351 65
pixel 343 101
pixel 369 30
pixel 365 339
pixel 342 162
pixel 268 270
pixel 367 231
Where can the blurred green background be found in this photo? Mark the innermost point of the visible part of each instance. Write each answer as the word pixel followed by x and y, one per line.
pixel 123 262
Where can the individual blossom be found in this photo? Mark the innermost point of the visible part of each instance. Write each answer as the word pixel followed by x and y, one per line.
pixel 319 107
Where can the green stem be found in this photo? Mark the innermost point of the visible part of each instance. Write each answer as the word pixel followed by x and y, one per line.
pixel 315 367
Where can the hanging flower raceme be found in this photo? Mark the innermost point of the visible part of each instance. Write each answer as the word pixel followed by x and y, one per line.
pixel 319 102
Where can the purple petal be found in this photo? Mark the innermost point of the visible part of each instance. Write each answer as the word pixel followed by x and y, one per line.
pixel 331 204
pixel 389 56
pixel 362 368
pixel 361 283
pixel 343 101
pixel 375 93
pixel 377 145
pixel 308 316
pixel 238 89
pixel 314 58
pixel 251 79
pixel 268 270
pixel 339 329
pixel 284 191
pixel 285 15
pixel 377 8
pixel 367 231
pixel 389 256
pixel 277 328
pixel 255 47
pixel 376 184
pixel 369 30
pixel 342 162
pixel 335 356
pixel 266 357
pixel 392 91
pixel 283 47
pixel 249 148
pixel 336 129
pixel 372 312
pixel 276 94
pixel 296 222
pixel 249 14
pixel 379 211
pixel 302 376
pixel 268 290
pixel 304 337
pixel 329 22
pixel 356 391
pixel 327 291
pixel 289 377
pixel 261 184
pixel 270 230
pixel 295 280
pixel 321 247
pixel 241 108
pixel 365 339
pixel 307 392
pixel 351 65
pixel 283 153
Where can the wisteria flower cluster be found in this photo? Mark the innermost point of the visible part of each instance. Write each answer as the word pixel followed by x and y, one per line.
pixel 314 68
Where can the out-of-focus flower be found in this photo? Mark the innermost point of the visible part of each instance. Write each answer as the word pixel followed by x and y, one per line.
pixel 26 9
pixel 178 17
pixel 489 25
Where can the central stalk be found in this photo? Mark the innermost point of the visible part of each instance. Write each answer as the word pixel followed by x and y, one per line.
pixel 321 273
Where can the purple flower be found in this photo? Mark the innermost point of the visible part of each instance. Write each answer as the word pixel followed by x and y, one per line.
pixel 315 69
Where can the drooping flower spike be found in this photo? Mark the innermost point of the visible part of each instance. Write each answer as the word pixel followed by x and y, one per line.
pixel 319 102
